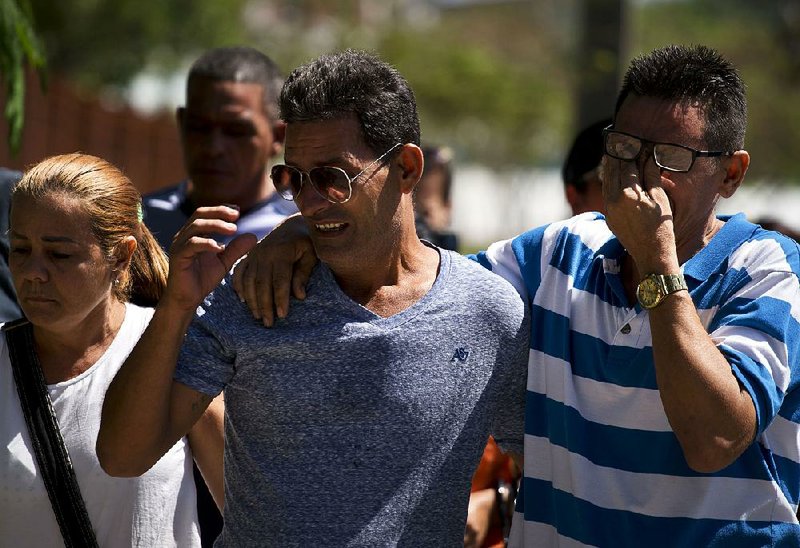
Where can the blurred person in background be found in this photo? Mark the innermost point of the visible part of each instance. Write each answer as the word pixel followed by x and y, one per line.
pixel 581 170
pixel 769 223
pixel 9 309
pixel 230 132
pixel 432 198
pixel 491 501
pixel 87 272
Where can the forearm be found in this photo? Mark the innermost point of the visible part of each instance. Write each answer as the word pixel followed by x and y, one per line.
pixel 137 426
pixel 712 415
pixel 482 507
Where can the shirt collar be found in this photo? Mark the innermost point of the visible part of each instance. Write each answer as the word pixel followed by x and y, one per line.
pixel 736 230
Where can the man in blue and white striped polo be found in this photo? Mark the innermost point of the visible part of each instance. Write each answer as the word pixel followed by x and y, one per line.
pixel 662 405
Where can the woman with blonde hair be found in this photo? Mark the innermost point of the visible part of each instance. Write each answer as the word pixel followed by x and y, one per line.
pixel 87 272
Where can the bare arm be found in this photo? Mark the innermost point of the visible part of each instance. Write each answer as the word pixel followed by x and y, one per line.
pixel 482 508
pixel 207 441
pixel 281 261
pixel 145 412
pixel 711 414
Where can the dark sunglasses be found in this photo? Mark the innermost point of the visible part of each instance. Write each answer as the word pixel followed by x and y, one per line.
pixel 668 156
pixel 332 183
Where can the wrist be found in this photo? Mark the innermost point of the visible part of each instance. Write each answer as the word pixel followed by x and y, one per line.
pixel 657 265
pixel 654 288
pixel 175 312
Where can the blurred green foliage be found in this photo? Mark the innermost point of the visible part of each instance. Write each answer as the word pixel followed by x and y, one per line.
pixel 106 42
pixel 18 44
pixel 763 40
pixel 496 82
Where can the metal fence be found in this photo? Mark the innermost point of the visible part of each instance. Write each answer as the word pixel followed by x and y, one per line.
pixel 62 119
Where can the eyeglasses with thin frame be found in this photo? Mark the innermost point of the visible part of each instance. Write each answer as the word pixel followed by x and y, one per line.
pixel 332 183
pixel 668 156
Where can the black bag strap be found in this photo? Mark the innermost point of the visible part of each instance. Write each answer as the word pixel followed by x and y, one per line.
pixel 51 454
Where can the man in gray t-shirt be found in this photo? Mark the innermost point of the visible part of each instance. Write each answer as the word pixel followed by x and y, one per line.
pixel 359 418
pixel 352 427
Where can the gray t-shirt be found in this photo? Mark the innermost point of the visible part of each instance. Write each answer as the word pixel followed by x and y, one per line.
pixel 343 428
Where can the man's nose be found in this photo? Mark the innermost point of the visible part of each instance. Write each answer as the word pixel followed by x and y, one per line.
pixel 308 200
pixel 214 141
pixel 649 171
pixel 645 156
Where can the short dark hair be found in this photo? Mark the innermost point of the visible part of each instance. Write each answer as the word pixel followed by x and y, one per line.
pixel 584 155
pixel 693 75
pixel 241 64
pixel 354 82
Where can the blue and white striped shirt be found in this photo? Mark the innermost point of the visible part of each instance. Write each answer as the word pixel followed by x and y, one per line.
pixel 602 465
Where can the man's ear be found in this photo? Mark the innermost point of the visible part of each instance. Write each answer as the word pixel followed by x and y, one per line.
pixel 180 116
pixel 410 161
pixel 278 137
pixel 572 195
pixel 734 173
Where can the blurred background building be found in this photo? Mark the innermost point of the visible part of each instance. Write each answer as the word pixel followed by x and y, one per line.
pixel 504 83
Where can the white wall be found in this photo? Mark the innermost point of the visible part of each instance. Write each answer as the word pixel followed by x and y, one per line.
pixel 489 206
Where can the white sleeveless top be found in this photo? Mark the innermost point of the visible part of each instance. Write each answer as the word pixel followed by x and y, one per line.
pixel 157 509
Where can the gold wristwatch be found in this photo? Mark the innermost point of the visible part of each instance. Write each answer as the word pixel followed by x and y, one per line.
pixel 655 288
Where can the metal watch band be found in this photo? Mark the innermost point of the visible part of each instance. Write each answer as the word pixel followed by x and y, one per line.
pixel 672 283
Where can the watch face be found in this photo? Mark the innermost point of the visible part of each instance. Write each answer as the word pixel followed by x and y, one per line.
pixel 649 293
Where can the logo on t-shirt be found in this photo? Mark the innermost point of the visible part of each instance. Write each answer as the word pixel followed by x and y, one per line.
pixel 461 354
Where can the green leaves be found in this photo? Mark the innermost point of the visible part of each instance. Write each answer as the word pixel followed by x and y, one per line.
pixel 18 44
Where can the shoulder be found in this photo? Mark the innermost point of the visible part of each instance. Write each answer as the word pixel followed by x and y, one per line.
pixel 481 290
pixel 588 230
pixel 141 314
pixel 168 198
pixel 163 213
pixel 8 178
pixel 766 251
pixel 275 204
pixel 261 219
pixel 466 271
pixel 222 308
pixel 135 322
pixel 321 291
pixel 222 295
pixel 567 245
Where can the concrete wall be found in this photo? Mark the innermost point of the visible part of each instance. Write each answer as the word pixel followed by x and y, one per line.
pixel 489 206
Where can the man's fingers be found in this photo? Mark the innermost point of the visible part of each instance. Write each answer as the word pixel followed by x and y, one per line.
pixel 281 286
pixel 238 274
pixel 265 301
pixel 225 213
pixel 248 293
pixel 244 283
pixel 302 273
pixel 186 250
pixel 208 220
pixel 259 296
pixel 609 176
pixel 236 249
pixel 201 228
